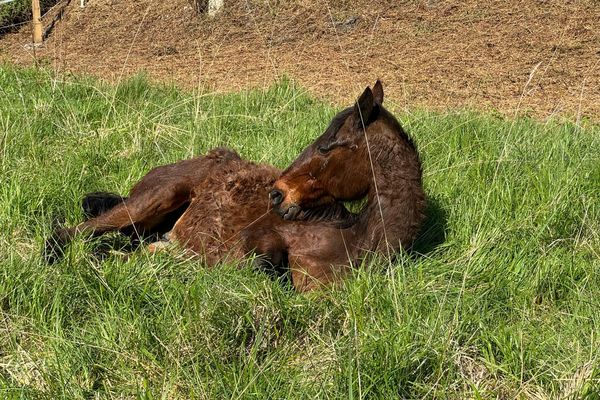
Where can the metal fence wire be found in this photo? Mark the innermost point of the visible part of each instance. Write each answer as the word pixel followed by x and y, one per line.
pixel 2 28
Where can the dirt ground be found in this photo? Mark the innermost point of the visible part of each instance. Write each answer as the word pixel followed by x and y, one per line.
pixel 540 57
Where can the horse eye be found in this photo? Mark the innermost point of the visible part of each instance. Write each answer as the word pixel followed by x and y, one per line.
pixel 324 150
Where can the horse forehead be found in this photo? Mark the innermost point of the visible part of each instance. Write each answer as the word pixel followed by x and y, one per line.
pixel 300 161
pixel 308 163
pixel 306 158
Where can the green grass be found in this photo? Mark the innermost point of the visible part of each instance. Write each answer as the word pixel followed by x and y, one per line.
pixel 504 302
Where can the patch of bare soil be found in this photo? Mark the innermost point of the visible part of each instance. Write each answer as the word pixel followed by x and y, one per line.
pixel 538 56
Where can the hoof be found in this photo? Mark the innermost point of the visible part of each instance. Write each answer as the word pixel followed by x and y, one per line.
pixel 158 246
pixel 97 203
pixel 54 247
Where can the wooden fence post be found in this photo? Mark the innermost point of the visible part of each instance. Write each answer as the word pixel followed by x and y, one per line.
pixel 214 6
pixel 37 21
pixel 210 7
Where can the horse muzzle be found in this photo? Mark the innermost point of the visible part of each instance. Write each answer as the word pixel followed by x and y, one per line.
pixel 288 213
pixel 285 211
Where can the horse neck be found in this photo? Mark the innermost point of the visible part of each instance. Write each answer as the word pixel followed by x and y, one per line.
pixel 393 213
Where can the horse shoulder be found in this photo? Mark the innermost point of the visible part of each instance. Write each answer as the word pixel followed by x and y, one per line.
pixel 317 253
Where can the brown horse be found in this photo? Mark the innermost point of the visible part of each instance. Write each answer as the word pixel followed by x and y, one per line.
pixel 215 205
pixel 222 211
pixel 364 152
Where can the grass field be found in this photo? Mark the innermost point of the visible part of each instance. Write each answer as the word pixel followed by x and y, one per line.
pixel 502 299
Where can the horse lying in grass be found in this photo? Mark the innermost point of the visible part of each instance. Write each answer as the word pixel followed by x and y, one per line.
pixel 224 207
pixel 220 192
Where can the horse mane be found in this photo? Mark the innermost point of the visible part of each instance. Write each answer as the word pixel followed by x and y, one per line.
pixel 335 214
pixel 392 121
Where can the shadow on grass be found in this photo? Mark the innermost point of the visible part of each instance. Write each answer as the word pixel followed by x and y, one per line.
pixel 433 231
pixel 115 243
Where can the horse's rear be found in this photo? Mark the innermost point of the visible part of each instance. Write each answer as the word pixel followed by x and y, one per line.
pixel 154 203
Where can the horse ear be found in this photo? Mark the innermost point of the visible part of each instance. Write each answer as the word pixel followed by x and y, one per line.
pixel 364 107
pixel 378 92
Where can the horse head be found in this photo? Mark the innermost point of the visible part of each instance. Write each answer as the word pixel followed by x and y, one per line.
pixel 337 165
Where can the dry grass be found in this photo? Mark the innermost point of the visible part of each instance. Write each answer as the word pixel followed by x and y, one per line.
pixel 433 54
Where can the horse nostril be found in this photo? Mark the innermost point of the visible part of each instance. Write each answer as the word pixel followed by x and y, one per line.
pixel 276 197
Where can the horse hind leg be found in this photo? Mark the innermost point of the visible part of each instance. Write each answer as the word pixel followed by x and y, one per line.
pixel 116 218
pixel 159 197
pixel 143 209
pixel 97 203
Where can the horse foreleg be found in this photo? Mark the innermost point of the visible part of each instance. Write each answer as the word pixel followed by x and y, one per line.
pixel 309 272
pixel 269 249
